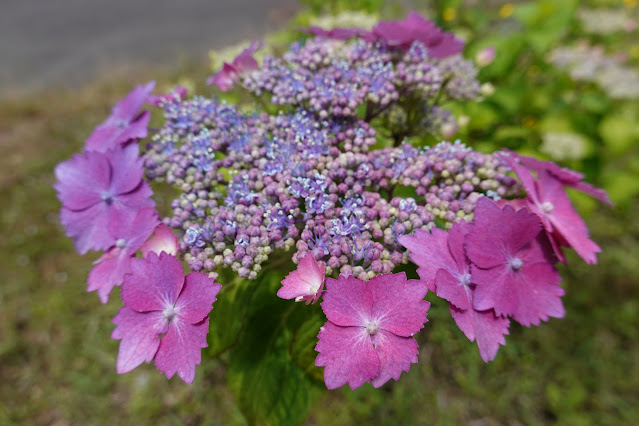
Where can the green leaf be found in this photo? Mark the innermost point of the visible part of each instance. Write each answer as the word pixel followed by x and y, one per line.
pixel 229 314
pixel 302 347
pixel 270 388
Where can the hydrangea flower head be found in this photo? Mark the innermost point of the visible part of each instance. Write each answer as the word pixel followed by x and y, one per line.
pixel 513 264
pixel 125 122
pixel 370 328
pixel 306 282
pixel 116 262
pixel 416 28
pixel 441 261
pixel 225 78
pixel 97 189
pixel 547 198
pixel 163 240
pixel 160 301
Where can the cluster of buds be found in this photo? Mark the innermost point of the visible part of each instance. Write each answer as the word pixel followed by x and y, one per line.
pixel 308 180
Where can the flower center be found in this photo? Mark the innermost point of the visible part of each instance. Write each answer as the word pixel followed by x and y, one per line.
pixel 547 207
pixel 466 279
pixel 121 124
pixel 371 328
pixel 107 198
pixel 516 263
pixel 121 243
pixel 169 313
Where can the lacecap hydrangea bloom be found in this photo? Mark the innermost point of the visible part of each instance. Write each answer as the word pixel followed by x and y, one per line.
pixel 347 170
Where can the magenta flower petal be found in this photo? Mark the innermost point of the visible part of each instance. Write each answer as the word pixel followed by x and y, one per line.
pixel 529 296
pixel 348 356
pixel 452 289
pixel 225 78
pixel 348 301
pixel 398 305
pixel 163 240
pixel 497 231
pixel 416 28
pixel 180 348
pixel 154 281
pixel 555 205
pixel 429 251
pixel 306 282
pixel 396 354
pixel 139 333
pixel 73 191
pixel 567 177
pixel 484 327
pixel 197 296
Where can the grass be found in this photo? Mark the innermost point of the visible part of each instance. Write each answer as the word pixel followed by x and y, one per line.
pixel 57 361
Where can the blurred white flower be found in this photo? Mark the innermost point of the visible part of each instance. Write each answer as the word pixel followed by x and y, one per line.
pixel 564 146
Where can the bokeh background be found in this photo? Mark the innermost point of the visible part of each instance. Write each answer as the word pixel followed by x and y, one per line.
pixel 65 62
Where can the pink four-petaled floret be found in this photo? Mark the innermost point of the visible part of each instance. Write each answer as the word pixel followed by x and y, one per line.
pixel 444 265
pixel 165 316
pixel 513 264
pixel 98 189
pixel 370 328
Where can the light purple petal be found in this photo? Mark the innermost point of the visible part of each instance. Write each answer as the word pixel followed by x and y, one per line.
pixel 181 348
pixel 398 305
pixel 137 129
pixel 304 283
pixel 347 354
pixel 197 297
pixel 348 301
pixel 484 327
pixel 139 333
pixel 128 108
pixel 82 180
pixel 163 240
pixel 154 283
pixel 396 354
pixel 127 167
pixel 88 228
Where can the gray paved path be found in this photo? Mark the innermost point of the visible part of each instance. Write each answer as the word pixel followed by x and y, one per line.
pixel 68 42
